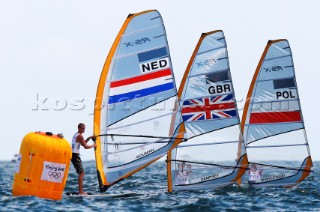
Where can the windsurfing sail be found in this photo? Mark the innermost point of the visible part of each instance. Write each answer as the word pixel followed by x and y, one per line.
pixel 210 158
pixel 272 122
pixel 135 99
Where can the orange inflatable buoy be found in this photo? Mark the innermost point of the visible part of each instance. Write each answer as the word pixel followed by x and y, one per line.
pixel 42 166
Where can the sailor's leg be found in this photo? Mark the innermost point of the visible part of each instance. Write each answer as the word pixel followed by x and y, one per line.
pixel 80 181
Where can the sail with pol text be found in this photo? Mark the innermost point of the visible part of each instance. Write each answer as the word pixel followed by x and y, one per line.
pixel 209 158
pixel 135 99
pixel 272 122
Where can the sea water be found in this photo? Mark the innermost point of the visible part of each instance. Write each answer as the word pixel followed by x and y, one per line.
pixel 150 188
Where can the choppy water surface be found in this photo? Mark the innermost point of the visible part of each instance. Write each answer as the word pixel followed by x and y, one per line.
pixel 151 194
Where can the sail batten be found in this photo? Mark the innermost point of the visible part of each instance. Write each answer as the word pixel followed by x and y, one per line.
pixel 266 80
pixel 274 101
pixel 210 117
pixel 143 29
pixel 206 144
pixel 201 74
pixel 139 122
pixel 209 50
pixel 271 146
pixel 272 122
pixel 280 57
pixel 134 53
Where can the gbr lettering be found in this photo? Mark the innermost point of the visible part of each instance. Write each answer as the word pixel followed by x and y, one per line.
pixel 216 89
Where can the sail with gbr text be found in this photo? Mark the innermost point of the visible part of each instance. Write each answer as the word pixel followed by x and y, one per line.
pixel 135 100
pixel 209 158
pixel 272 122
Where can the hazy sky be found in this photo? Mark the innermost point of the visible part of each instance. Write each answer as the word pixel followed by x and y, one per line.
pixel 55 51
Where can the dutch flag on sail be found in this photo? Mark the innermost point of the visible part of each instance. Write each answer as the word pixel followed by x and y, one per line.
pixel 140 86
pixel 156 78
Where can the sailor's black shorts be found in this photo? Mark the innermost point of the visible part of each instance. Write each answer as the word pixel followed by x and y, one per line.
pixel 77 163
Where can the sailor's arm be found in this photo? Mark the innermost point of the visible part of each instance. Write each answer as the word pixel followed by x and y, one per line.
pixel 83 142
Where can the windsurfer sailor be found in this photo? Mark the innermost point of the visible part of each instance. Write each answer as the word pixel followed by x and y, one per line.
pixel 254 174
pixel 78 140
pixel 182 175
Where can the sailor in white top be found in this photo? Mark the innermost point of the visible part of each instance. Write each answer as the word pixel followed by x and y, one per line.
pixel 75 144
pixel 254 174
pixel 78 140
pixel 182 175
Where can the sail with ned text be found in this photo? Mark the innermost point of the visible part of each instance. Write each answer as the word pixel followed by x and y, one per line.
pixel 135 100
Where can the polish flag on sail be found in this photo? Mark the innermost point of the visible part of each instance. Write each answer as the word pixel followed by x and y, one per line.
pixel 275 117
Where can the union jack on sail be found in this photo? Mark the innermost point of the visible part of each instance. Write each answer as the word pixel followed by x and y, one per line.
pixel 208 108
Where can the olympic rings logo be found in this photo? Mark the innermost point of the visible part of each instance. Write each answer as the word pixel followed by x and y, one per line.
pixel 54 175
